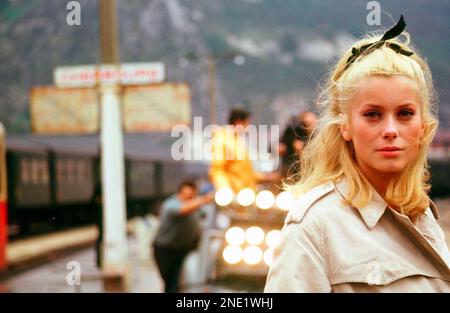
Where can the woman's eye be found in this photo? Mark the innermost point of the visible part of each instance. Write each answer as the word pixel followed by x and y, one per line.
pixel 406 113
pixel 372 115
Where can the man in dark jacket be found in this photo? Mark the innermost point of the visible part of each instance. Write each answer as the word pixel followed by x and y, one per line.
pixel 179 232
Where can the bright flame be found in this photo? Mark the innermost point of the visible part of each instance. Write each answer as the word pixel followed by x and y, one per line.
pixel 252 255
pixel 235 236
pixel 285 201
pixel 273 238
pixel 268 256
pixel 254 235
pixel 223 196
pixel 265 200
pixel 232 254
pixel 246 196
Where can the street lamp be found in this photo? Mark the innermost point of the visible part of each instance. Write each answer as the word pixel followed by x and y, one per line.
pixel 212 63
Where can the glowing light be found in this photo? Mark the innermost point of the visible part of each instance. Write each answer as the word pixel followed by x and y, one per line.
pixel 265 200
pixel 268 256
pixel 273 238
pixel 285 201
pixel 223 196
pixel 232 254
pixel 254 235
pixel 246 196
pixel 252 255
pixel 235 236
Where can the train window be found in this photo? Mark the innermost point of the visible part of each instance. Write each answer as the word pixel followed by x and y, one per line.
pixel 78 170
pixel 60 173
pixel 137 172
pixel 24 171
pixel 89 170
pixel 70 171
pixel 132 174
pixel 38 171
pixel 82 170
pixel 44 172
pixel 34 171
pixel 141 171
pixel 147 171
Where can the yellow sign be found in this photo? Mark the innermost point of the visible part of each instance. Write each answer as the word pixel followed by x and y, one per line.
pixel 76 110
pixel 64 111
pixel 156 107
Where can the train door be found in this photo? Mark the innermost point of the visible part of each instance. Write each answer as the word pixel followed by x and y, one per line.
pixel 3 200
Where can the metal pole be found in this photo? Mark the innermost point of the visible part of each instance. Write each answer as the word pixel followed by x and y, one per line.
pixel 108 32
pixel 212 89
pixel 115 254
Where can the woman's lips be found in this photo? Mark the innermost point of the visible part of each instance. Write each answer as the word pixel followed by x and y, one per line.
pixel 390 151
pixel 390 154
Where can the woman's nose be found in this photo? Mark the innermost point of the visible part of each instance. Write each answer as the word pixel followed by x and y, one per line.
pixel 390 130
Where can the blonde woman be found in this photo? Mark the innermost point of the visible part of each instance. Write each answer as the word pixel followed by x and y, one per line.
pixel 363 221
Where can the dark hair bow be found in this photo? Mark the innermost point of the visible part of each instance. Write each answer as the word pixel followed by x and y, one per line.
pixel 391 33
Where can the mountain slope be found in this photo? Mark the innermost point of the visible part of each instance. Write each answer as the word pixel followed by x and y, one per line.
pixel 287 45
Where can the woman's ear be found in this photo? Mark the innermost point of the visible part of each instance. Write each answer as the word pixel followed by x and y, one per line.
pixel 422 131
pixel 345 132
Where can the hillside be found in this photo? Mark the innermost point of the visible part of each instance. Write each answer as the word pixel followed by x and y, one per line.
pixel 287 45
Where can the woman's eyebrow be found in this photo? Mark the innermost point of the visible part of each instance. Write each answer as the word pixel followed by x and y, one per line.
pixel 371 106
pixel 377 106
pixel 408 104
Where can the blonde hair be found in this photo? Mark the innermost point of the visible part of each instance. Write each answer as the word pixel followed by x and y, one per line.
pixel 329 157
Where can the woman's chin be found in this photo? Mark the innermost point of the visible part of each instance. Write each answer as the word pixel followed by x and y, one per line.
pixel 391 168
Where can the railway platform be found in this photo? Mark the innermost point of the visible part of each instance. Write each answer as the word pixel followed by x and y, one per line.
pixel 45 264
pixel 42 264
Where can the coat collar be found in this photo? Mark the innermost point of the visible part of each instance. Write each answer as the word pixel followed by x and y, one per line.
pixel 434 210
pixel 372 212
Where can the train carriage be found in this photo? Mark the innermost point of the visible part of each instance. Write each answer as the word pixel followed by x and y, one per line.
pixel 170 175
pixel 3 200
pixel 29 184
pixel 140 178
pixel 74 177
pixel 141 185
pixel 52 179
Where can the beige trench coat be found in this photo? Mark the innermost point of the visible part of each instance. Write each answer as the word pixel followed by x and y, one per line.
pixel 329 246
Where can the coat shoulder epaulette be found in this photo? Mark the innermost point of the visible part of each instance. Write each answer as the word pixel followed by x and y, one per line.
pixel 305 201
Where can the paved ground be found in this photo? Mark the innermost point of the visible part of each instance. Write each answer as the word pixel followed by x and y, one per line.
pixel 52 277
pixel 145 278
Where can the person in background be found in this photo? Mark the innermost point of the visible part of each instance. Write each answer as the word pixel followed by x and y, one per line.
pixel 294 139
pixel 231 166
pixel 179 232
pixel 97 204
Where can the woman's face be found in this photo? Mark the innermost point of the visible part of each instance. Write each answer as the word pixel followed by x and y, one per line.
pixel 385 124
